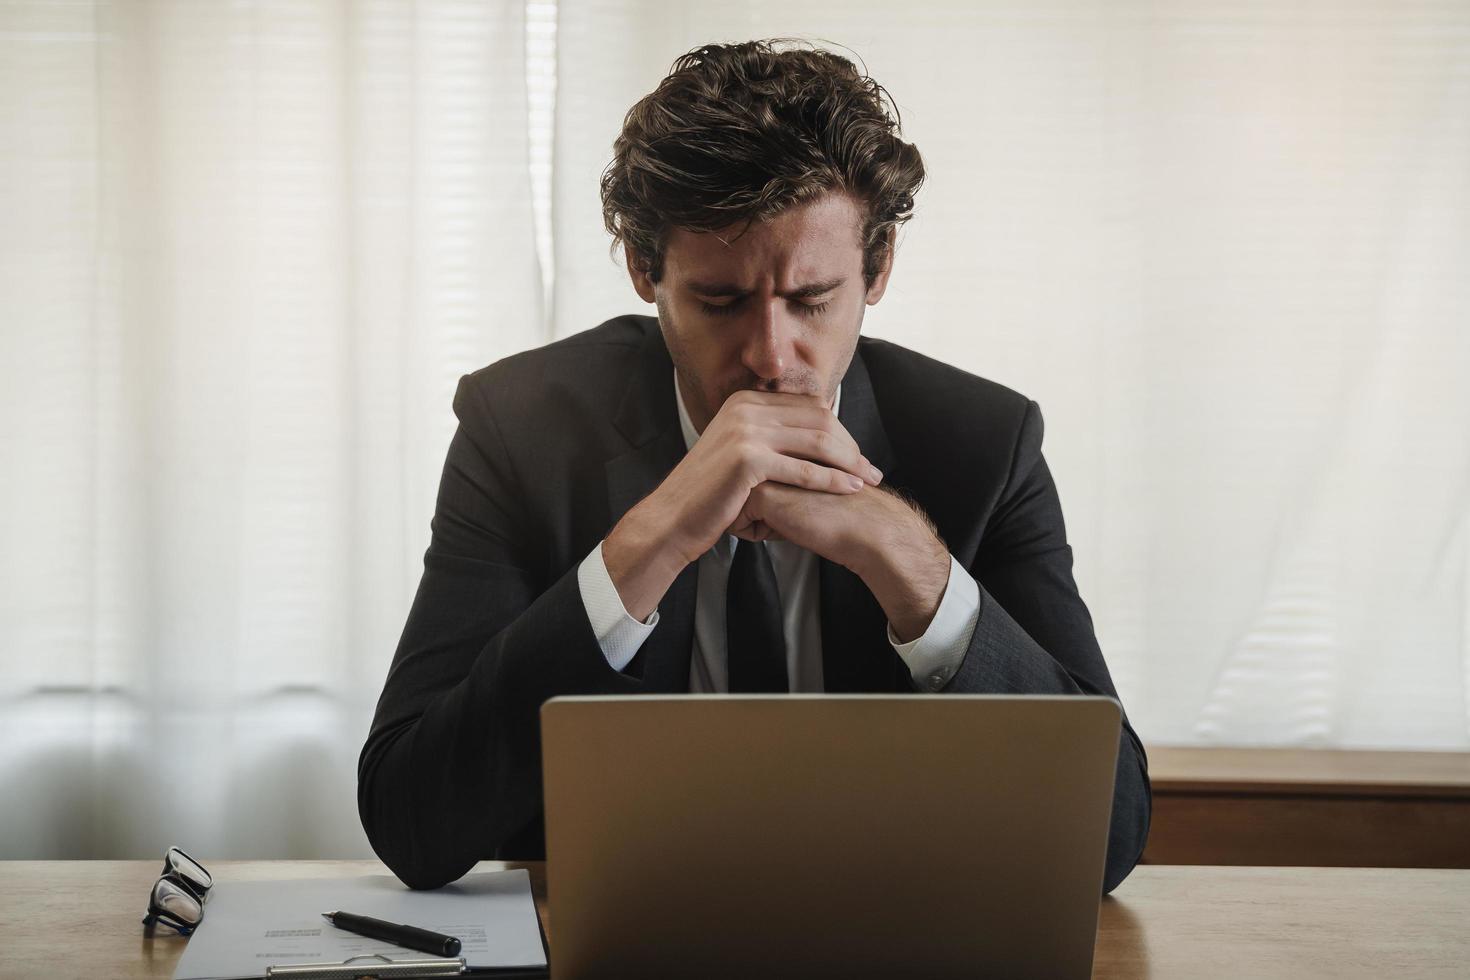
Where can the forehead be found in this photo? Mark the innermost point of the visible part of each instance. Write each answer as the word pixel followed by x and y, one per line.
pixel 821 238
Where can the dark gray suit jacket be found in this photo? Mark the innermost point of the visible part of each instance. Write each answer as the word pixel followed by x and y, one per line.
pixel 554 445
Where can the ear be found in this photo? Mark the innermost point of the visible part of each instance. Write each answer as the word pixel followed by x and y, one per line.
pixel 641 283
pixel 880 281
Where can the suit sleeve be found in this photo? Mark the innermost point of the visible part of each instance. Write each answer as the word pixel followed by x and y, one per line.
pixel 1035 635
pixel 451 770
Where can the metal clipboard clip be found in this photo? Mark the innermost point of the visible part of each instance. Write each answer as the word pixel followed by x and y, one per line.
pixel 350 969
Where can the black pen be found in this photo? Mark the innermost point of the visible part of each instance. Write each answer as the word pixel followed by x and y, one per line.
pixel 389 932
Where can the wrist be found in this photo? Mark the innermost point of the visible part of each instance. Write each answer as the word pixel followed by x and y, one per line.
pixel 907 570
pixel 642 560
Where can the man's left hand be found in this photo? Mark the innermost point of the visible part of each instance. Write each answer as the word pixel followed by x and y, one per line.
pixel 875 533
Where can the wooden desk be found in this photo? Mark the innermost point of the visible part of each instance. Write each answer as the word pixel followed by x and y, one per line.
pixel 1164 921
pixel 1319 807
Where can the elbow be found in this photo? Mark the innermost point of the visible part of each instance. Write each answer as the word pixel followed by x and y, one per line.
pixel 1117 871
pixel 409 834
pixel 388 824
pixel 423 879
pixel 1132 815
pixel 398 843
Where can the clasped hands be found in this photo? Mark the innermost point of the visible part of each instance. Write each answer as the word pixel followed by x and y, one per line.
pixel 774 466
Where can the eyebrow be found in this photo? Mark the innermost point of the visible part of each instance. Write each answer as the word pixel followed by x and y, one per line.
pixel 800 292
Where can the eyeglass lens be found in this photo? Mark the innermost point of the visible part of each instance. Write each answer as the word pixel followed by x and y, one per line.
pixel 174 900
pixel 188 867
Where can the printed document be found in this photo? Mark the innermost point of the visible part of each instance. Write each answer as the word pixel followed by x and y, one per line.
pixel 250 925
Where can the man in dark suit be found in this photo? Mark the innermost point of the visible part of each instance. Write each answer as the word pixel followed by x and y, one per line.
pixel 739 495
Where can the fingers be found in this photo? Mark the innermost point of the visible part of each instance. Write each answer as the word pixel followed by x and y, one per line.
pixel 801 411
pixel 798 427
pixel 810 475
pixel 832 449
pixel 783 398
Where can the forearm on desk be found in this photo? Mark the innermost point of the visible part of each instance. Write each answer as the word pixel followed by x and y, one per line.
pixel 451 771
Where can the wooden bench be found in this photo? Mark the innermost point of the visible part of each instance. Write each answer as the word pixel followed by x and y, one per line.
pixel 1309 807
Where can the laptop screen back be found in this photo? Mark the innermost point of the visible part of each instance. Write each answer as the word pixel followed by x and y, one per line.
pixel 826 835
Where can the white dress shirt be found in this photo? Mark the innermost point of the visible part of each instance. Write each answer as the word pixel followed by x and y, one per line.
pixel 932 658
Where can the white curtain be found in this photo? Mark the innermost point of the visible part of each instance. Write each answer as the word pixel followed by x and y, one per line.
pixel 247 249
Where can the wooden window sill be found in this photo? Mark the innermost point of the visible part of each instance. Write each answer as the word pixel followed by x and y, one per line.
pixel 1309 807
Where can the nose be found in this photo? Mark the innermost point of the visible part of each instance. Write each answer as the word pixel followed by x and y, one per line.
pixel 767 351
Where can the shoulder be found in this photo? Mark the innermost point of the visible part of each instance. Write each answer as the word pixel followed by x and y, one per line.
pixel 916 393
pixel 586 372
pixel 963 442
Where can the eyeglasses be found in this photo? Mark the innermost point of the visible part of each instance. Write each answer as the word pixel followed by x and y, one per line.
pixel 178 896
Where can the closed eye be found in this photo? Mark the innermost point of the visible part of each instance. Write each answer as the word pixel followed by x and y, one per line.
pixel 729 309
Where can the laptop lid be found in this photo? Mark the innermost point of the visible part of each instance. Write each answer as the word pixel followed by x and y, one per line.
pixel 826 835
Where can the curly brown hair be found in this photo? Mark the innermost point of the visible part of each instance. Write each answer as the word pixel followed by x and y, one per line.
pixel 740 132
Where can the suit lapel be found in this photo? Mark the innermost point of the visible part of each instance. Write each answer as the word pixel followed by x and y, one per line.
pixel 647 417
pixel 856 654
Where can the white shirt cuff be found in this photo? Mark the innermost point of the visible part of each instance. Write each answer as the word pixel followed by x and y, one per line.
pixel 617 632
pixel 935 655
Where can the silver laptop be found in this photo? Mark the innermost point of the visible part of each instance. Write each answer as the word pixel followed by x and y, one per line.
pixel 826 835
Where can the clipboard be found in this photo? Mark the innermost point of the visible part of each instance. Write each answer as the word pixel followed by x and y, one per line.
pixel 383 969
pixel 496 907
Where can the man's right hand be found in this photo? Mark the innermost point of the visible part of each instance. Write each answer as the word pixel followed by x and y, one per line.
pixel 755 437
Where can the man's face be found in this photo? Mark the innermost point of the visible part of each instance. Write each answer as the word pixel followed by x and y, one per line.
pixel 778 309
